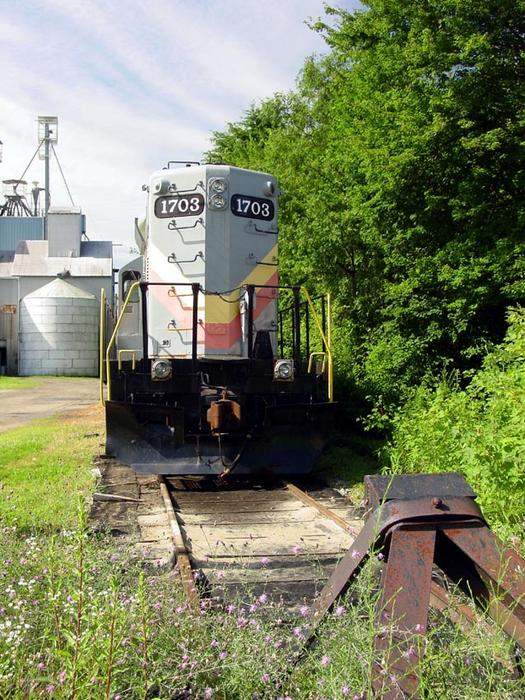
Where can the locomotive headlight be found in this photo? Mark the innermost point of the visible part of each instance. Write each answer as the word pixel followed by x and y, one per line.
pixel 283 371
pixel 217 201
pixel 160 370
pixel 218 185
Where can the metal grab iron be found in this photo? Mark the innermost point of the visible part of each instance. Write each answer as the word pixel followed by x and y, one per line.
pixel 419 521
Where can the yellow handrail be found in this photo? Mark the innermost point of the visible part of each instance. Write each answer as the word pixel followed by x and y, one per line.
pixel 101 338
pixel 131 290
pixel 326 338
pixel 123 351
pixel 311 360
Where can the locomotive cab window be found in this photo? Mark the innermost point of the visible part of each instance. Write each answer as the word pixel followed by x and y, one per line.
pixel 128 278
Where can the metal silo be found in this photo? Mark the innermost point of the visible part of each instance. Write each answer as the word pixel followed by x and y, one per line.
pixel 59 331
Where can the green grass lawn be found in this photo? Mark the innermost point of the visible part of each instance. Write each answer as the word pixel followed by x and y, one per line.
pixel 7 383
pixel 44 466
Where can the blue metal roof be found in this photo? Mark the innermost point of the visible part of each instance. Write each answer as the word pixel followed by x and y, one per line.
pixel 14 229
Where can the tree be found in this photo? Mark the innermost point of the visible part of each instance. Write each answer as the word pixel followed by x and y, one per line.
pixel 400 157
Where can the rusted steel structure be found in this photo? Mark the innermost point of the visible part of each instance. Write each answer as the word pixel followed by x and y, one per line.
pixel 418 522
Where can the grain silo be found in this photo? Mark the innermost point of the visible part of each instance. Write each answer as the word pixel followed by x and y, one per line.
pixel 59 331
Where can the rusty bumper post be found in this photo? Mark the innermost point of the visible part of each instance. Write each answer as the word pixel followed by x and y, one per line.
pixel 419 521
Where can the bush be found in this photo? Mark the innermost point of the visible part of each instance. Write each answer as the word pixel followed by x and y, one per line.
pixel 477 431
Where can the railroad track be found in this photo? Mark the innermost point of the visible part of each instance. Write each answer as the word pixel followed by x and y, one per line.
pixel 278 540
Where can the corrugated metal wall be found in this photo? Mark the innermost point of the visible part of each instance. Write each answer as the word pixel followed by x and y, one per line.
pixel 14 229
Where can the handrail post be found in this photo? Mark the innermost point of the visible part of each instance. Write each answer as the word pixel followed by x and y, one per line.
pixel 144 316
pixel 195 287
pixel 250 290
pixel 101 340
pixel 297 326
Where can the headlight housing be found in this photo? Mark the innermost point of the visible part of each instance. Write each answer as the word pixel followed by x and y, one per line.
pixel 217 201
pixel 284 371
pixel 160 370
pixel 218 185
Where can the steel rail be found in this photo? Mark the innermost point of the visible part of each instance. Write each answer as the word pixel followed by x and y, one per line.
pixel 183 560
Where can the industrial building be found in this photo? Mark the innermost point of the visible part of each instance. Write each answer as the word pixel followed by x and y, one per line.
pixel 38 320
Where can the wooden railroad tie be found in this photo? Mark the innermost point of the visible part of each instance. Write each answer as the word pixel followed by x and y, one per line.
pixel 419 521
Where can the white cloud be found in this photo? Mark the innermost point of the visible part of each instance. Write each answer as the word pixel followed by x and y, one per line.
pixel 136 84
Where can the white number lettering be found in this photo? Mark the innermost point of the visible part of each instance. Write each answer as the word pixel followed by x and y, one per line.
pixel 163 206
pixel 256 208
pixel 194 204
pixel 265 209
pixel 172 206
pixel 246 203
pixel 183 205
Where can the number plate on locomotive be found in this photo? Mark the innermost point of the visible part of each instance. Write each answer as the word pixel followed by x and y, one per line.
pixel 252 207
pixel 179 205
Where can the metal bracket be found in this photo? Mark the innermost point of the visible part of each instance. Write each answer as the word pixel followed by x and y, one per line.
pixel 172 258
pixel 253 228
pixel 418 521
pixel 172 226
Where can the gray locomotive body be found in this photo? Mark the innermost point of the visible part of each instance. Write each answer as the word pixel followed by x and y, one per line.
pixel 212 366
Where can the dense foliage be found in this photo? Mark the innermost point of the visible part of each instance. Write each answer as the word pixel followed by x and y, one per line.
pixel 399 159
pixel 478 431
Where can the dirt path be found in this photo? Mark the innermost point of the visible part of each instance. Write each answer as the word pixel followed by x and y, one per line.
pixel 52 395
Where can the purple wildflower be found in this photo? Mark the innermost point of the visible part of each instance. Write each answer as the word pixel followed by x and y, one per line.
pixel 304 610
pixel 325 660
pixel 340 610
pixel 265 677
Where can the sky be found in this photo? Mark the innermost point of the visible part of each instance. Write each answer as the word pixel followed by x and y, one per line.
pixel 135 84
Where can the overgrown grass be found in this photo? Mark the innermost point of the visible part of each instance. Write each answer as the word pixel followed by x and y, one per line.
pixel 44 466
pixel 80 620
pixel 479 431
pixel 8 383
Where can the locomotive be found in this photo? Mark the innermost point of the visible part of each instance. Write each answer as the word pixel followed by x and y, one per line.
pixel 213 367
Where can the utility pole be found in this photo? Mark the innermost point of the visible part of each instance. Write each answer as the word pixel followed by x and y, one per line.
pixel 46 168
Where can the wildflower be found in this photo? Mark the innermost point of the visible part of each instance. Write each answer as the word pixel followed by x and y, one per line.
pixel 263 598
pixel 117 697
pixel 62 677
pixel 304 610
pixel 41 666
pixel 265 677
pixel 345 690
pixel 230 609
pixel 355 554
pixel 179 609
pixel 325 660
pixel 157 606
pixel 208 693
pixel 296 549
pixel 253 608
pixel 220 574
pixel 419 628
pixel 242 622
pixel 380 556
pixel 223 655
pixel 50 689
pixel 297 631
pixel 340 610
pixel 214 643
pixel 265 560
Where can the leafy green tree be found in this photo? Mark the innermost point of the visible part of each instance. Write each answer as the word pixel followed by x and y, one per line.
pixel 400 156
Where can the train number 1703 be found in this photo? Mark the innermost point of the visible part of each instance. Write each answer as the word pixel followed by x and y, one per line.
pixel 252 207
